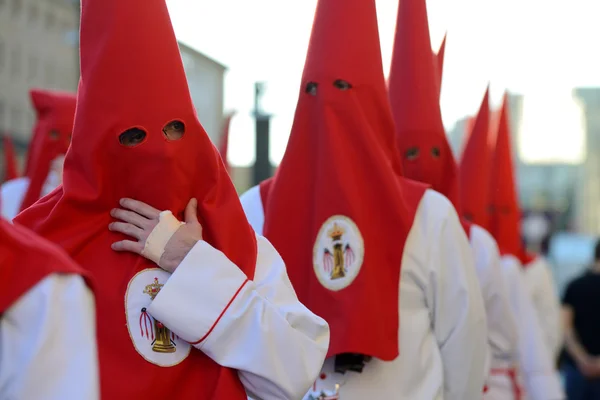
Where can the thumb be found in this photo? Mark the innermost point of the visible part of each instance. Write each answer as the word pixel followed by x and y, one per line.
pixel 191 212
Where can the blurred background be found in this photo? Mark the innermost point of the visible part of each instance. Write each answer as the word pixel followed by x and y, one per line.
pixel 247 57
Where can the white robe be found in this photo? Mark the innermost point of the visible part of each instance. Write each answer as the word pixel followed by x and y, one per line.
pixel 13 192
pixel 540 380
pixel 48 343
pixel 443 335
pixel 501 324
pixel 540 282
pixel 257 327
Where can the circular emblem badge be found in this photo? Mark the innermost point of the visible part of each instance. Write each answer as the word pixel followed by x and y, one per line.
pixel 338 253
pixel 154 341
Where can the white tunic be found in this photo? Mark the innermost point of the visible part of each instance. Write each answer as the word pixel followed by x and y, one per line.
pixel 502 327
pixel 48 343
pixel 540 282
pixel 443 335
pixel 13 192
pixel 536 369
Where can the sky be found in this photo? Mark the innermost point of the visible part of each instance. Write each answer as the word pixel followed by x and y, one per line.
pixel 539 48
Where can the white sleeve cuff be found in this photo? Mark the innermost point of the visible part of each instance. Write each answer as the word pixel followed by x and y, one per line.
pixel 198 293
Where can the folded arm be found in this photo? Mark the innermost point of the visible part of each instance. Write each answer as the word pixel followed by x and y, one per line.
pixel 255 326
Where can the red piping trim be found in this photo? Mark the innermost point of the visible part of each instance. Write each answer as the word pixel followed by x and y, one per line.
pixel 203 338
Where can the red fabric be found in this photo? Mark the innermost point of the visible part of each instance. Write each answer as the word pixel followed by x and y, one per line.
pixel 51 137
pixel 265 189
pixel 10 159
pixel 475 168
pixel 341 160
pixel 439 57
pixel 505 218
pixel 25 260
pixel 132 76
pixel 224 142
pixel 512 375
pixel 414 96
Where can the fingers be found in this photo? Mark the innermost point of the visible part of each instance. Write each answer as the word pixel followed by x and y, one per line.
pixel 140 208
pixel 191 211
pixel 131 217
pixel 127 229
pixel 128 245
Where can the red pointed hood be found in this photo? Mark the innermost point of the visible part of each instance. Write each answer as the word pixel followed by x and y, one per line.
pixel 475 168
pixel 439 57
pixel 414 96
pixel 51 137
pixel 10 159
pixel 505 220
pixel 133 87
pixel 343 251
pixel 224 140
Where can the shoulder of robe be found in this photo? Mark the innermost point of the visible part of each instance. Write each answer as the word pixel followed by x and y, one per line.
pixel 483 238
pixel 435 209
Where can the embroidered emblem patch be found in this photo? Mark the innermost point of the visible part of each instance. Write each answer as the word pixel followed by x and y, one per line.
pixel 338 253
pixel 154 341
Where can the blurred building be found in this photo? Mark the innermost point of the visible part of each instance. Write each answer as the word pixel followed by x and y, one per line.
pixel 38 48
pixel 588 193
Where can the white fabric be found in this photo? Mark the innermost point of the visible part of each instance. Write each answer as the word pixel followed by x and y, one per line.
pixel 537 371
pixel 159 237
pixel 502 329
pixel 255 326
pixel 540 282
pixel 252 203
pixel 442 319
pixel 48 343
pixel 13 192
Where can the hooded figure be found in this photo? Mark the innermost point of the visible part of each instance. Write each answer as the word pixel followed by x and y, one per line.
pixel 537 370
pixel 360 254
pixel 474 183
pixel 47 323
pixel 414 93
pixel 49 143
pixel 219 317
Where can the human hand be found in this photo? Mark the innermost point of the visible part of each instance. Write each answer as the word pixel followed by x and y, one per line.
pixel 589 366
pixel 138 220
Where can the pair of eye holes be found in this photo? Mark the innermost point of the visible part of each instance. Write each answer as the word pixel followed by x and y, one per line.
pixel 413 153
pixel 311 87
pixel 55 135
pixel 173 131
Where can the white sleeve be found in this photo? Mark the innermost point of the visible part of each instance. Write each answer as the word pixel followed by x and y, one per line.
pixel 540 378
pixel 547 304
pixel 257 327
pixel 502 327
pixel 48 343
pixel 459 320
